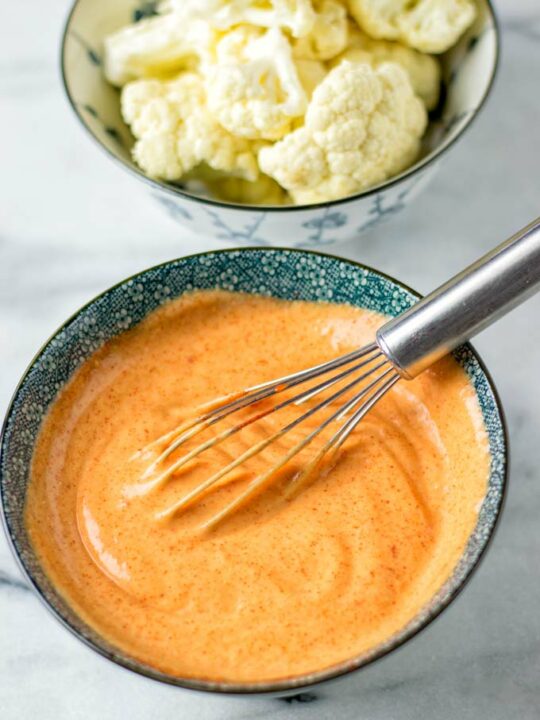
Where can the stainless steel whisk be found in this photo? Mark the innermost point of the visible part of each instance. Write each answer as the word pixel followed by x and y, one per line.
pixel 403 348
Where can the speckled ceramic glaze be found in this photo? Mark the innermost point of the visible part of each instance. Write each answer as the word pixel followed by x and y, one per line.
pixel 286 274
pixel 468 70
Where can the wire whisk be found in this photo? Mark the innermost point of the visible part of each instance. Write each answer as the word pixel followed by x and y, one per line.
pixel 366 364
pixel 403 348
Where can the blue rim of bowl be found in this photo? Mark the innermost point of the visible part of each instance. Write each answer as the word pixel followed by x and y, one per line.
pixel 294 684
pixel 179 192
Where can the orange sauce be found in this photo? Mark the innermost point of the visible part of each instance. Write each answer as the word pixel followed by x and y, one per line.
pixel 282 587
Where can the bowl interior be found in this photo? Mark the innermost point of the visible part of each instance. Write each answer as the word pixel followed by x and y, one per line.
pixel 467 71
pixel 285 274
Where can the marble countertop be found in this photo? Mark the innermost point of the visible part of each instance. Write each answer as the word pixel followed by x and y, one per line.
pixel 72 223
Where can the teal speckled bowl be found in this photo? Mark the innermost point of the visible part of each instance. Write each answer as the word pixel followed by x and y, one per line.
pixel 290 274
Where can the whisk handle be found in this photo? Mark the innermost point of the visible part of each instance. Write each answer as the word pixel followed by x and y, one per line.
pixel 464 305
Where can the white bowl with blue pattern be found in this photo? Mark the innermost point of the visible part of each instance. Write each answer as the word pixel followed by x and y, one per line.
pixel 468 71
pixel 289 274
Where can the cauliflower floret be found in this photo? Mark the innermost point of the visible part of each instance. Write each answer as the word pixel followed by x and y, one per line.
pixel 362 125
pixel 175 132
pixel 329 34
pixel 253 88
pixel 296 16
pixel 431 26
pixel 154 47
pixel 423 70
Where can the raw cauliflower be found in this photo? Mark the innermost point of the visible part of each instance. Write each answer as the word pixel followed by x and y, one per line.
pixel 175 132
pixel 362 125
pixel 431 26
pixel 154 47
pixel 328 36
pixel 423 70
pixel 296 16
pixel 280 91
pixel 253 88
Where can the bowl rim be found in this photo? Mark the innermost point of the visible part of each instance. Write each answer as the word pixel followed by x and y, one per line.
pixel 285 686
pixel 176 192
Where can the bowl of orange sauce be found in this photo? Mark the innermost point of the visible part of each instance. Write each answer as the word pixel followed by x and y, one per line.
pixel 284 594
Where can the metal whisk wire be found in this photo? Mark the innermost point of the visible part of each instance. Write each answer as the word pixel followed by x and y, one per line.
pixel 224 406
pixel 405 346
pixel 332 445
pixel 369 360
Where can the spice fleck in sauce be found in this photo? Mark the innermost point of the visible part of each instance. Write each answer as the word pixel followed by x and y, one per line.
pixel 283 587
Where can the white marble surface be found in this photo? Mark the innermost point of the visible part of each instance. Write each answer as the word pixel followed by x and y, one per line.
pixel 71 224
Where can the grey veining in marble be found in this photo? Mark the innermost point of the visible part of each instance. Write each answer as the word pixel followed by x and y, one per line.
pixel 72 223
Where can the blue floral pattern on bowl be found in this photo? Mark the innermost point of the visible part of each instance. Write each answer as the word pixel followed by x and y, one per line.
pixel 288 274
pixel 468 70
